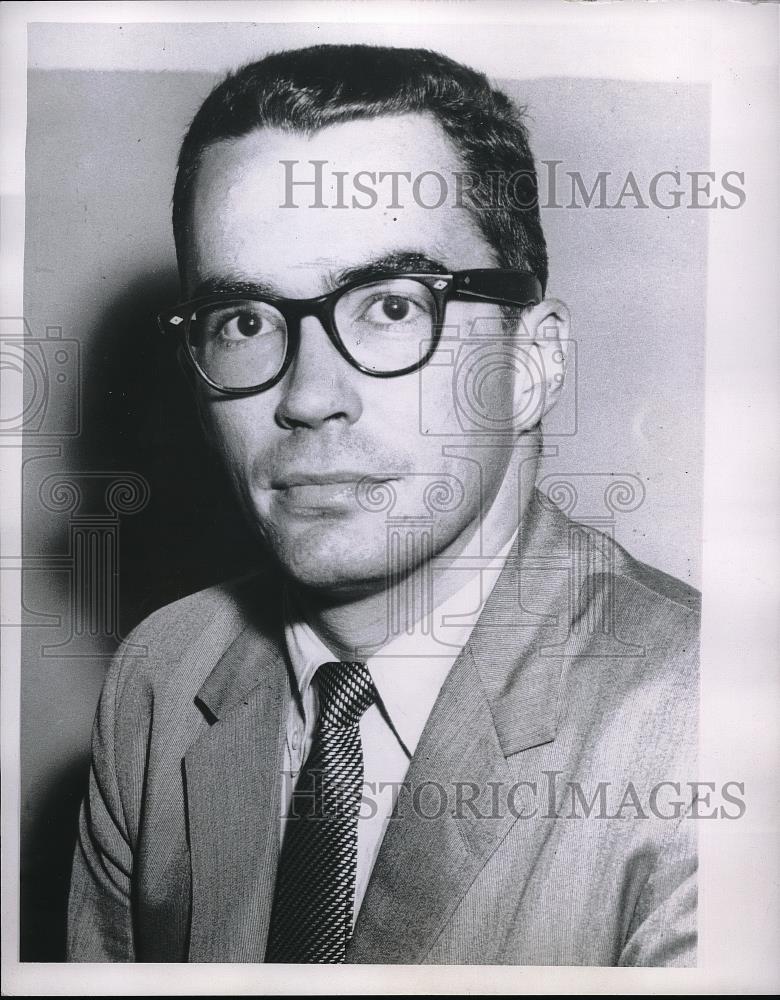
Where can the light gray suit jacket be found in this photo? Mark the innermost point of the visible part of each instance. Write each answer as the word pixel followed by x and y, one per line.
pixel 534 826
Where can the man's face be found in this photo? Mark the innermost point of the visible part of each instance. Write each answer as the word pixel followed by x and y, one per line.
pixel 296 451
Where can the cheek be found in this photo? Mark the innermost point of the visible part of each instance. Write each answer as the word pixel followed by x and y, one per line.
pixel 472 396
pixel 235 431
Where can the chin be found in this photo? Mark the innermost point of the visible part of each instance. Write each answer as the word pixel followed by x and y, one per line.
pixel 326 557
pixel 322 557
pixel 342 578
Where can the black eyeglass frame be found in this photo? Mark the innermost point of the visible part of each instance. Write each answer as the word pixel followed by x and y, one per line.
pixel 495 285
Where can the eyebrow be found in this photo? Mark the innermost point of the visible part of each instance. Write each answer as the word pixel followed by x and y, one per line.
pixel 397 262
pixel 234 286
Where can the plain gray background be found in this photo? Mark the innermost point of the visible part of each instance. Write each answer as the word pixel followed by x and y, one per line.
pixel 101 149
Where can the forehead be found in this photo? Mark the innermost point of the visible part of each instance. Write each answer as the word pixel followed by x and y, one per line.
pixel 290 209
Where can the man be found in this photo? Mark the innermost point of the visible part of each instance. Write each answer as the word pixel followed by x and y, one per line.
pixel 444 723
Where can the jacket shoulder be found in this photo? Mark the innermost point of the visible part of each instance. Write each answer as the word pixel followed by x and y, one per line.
pixel 596 556
pixel 616 608
pixel 656 610
pixel 656 585
pixel 177 646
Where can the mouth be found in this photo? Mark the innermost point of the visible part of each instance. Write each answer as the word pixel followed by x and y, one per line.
pixel 292 479
pixel 318 493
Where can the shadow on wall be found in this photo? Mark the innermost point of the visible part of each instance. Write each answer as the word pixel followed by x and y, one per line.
pixel 138 416
pixel 141 417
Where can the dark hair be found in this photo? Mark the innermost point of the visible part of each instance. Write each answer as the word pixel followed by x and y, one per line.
pixel 308 89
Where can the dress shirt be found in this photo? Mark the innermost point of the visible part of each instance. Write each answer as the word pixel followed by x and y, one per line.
pixel 408 673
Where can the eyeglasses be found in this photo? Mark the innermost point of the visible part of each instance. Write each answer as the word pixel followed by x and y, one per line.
pixel 384 326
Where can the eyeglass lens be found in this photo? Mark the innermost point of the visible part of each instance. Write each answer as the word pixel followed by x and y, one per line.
pixel 384 326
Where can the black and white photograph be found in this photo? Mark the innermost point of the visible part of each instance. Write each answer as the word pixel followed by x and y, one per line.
pixel 389 448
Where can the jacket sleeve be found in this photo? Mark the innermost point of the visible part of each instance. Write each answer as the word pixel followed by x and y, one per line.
pixel 663 929
pixel 100 926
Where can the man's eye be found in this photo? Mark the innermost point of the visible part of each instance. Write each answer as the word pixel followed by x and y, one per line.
pixel 235 325
pixel 243 325
pixel 388 309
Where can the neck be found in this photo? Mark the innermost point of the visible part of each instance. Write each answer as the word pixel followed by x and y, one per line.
pixel 356 627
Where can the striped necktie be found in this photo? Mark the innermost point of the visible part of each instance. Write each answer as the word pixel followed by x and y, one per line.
pixel 311 917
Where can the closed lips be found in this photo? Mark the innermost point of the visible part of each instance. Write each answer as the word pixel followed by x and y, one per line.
pixel 323 479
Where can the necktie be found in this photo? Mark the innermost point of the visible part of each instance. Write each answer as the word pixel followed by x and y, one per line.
pixel 311 916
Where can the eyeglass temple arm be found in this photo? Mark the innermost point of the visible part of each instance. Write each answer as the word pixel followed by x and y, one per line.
pixel 509 288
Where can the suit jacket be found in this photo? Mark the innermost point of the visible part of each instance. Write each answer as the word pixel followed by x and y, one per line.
pixel 546 814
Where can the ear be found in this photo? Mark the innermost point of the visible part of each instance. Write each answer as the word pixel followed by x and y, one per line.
pixel 544 333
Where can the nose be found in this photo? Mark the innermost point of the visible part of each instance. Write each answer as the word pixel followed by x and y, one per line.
pixel 319 386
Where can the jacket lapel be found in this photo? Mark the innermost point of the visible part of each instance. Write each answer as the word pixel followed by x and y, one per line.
pixel 232 777
pixel 425 865
pixel 500 698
